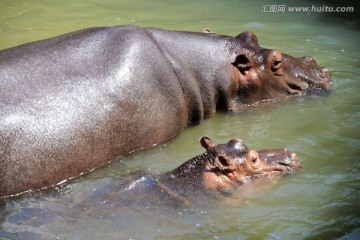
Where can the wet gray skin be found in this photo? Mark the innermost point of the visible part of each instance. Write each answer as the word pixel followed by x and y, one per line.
pixel 72 103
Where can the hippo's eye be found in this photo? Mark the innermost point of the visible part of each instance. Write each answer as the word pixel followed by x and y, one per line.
pixel 274 60
pixel 254 160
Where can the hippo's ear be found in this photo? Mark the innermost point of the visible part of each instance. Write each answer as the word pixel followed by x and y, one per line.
pixel 249 38
pixel 238 145
pixel 242 62
pixel 207 30
pixel 206 142
pixel 225 163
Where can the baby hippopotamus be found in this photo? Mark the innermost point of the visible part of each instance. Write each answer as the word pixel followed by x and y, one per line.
pixel 227 166
pixel 217 173
pixel 223 168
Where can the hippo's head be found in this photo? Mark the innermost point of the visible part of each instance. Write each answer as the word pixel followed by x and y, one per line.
pixel 233 164
pixel 269 74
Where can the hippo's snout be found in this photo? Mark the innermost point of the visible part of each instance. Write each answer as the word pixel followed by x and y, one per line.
pixel 303 75
pixel 322 82
pixel 280 160
pixel 290 163
pixel 317 78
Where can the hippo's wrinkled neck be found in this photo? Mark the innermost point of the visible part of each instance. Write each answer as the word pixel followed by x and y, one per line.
pixel 201 63
pixel 189 174
pixel 193 168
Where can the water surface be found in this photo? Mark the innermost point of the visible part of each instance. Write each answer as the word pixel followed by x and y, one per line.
pixel 321 202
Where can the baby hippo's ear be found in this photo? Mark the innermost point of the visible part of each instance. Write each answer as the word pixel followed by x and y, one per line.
pixel 206 143
pixel 225 163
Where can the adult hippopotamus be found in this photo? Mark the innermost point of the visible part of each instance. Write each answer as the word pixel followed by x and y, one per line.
pixel 222 169
pixel 72 103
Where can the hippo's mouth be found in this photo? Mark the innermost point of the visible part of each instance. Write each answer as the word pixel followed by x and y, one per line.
pixel 282 167
pixel 308 85
pixel 287 165
pixel 296 89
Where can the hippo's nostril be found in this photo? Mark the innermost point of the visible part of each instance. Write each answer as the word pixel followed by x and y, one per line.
pixel 285 163
pixel 296 89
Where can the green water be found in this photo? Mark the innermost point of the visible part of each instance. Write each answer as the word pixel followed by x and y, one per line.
pixel 321 202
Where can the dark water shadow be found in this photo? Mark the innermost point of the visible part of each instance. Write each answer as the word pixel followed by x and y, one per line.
pixel 350 18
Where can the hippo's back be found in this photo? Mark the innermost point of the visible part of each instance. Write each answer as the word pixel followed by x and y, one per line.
pixel 74 102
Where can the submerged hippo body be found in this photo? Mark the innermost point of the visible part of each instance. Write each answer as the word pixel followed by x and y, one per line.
pixel 72 103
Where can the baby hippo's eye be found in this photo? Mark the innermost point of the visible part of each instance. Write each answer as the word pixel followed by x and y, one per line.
pixel 254 160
